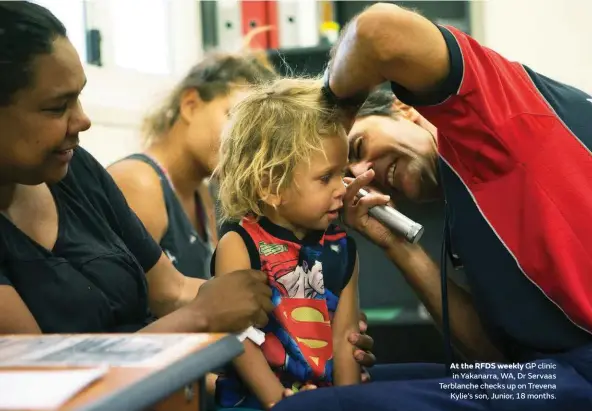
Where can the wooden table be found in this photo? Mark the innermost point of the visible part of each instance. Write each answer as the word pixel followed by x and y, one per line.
pixel 175 383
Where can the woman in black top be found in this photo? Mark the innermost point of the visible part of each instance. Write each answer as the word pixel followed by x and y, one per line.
pixel 183 137
pixel 73 256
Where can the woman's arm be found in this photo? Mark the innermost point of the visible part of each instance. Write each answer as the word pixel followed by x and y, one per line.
pixel 16 317
pixel 347 370
pixel 21 321
pixel 252 366
pixel 168 289
pixel 226 304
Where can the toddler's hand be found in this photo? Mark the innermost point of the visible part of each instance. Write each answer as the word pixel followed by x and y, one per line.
pixel 289 392
pixel 306 387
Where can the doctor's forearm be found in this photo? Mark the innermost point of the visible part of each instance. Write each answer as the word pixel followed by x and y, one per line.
pixel 423 275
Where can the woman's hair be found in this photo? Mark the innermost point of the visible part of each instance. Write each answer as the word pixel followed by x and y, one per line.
pixel 26 31
pixel 213 77
pixel 272 130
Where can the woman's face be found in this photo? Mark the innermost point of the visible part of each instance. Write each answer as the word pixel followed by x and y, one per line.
pixel 206 125
pixel 40 126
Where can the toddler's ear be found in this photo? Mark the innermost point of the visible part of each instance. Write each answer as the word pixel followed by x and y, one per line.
pixel 268 193
pixel 272 200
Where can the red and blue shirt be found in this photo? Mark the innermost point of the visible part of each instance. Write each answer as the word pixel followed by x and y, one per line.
pixel 306 277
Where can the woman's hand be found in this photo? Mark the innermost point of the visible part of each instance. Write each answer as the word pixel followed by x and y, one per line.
pixel 234 302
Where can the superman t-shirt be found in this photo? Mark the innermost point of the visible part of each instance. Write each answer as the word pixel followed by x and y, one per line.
pixel 306 277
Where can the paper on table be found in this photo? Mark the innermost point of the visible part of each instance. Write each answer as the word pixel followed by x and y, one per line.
pixel 253 334
pixel 43 389
pixel 140 350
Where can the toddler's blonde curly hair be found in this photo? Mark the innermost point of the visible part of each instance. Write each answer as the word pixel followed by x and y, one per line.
pixel 275 127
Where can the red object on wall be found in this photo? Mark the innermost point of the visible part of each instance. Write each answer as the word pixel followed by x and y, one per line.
pixel 257 14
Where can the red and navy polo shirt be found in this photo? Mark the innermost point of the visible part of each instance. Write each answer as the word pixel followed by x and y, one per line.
pixel 516 170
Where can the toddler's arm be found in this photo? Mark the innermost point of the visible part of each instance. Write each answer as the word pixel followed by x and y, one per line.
pixel 346 369
pixel 231 255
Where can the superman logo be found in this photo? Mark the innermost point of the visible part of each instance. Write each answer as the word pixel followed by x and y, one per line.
pixel 307 321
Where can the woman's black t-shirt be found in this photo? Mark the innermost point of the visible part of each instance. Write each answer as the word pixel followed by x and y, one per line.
pixel 93 280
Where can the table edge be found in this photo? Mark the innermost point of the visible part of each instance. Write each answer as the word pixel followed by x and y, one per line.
pixel 159 385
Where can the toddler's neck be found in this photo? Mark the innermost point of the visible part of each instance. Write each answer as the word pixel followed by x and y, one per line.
pixel 299 232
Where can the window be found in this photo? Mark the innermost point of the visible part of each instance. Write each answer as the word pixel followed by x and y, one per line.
pixel 72 14
pixel 141 36
pixel 153 37
pixel 145 46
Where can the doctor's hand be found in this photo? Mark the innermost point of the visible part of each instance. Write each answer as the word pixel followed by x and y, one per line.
pixel 363 345
pixel 355 211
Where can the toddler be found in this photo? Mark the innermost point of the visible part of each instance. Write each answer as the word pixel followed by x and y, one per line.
pixel 282 160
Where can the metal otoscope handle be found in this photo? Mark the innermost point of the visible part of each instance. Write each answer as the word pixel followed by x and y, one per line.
pixel 397 222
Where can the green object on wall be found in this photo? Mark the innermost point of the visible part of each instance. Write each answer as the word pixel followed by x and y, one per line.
pixel 382 314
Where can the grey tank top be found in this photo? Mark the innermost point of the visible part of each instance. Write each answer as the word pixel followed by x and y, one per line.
pixel 187 250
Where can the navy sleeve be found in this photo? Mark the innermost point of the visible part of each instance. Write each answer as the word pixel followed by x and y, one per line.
pixel 449 85
pixel 249 243
pixel 121 217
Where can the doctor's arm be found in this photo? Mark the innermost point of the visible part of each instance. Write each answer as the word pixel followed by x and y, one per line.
pixel 388 43
pixel 420 271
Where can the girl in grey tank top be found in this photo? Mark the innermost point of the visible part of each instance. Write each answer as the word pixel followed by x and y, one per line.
pixel 184 135
pixel 187 250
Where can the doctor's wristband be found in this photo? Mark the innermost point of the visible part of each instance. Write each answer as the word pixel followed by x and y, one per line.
pixel 350 104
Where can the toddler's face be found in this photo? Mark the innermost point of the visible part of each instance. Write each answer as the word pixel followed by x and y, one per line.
pixel 315 196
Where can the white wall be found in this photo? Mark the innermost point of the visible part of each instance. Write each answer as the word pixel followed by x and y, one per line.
pixel 116 102
pixel 117 99
pixel 552 37
pixel 547 35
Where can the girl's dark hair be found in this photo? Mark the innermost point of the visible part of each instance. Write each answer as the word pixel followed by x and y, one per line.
pixel 213 77
pixel 26 31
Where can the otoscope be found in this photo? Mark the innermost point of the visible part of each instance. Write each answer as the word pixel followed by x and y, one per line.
pixel 396 221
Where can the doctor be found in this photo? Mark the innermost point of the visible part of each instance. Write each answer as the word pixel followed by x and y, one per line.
pixel 512 159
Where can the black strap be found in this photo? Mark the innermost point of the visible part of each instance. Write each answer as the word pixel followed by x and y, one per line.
pixel 148 160
pixel 444 290
pixel 247 239
pixel 350 103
